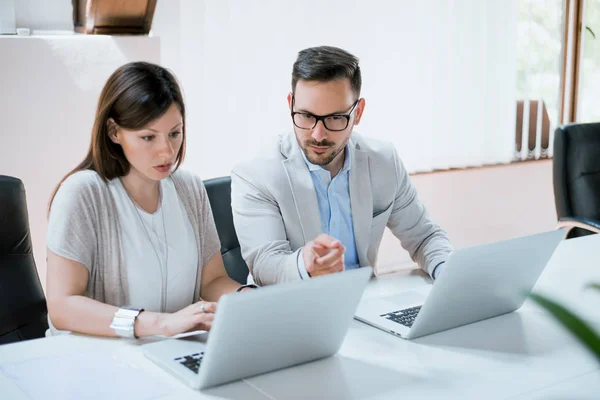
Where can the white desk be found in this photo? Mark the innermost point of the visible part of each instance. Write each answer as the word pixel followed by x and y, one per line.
pixel 523 355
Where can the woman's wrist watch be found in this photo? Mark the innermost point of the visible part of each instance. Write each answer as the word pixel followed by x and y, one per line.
pixel 124 321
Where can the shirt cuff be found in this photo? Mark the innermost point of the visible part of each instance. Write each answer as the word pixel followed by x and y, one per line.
pixel 301 267
pixel 436 271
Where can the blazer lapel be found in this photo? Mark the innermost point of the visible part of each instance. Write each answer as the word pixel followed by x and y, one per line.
pixel 361 201
pixel 303 191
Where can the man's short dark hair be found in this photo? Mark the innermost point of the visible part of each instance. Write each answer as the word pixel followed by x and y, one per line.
pixel 325 64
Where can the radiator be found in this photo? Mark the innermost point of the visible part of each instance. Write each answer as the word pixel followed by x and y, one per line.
pixel 533 133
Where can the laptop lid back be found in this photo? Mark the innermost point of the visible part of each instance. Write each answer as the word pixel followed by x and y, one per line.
pixel 485 281
pixel 280 325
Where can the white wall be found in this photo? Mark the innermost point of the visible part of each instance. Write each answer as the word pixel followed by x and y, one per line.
pixel 439 76
pixel 44 14
pixel 167 26
pixel 50 87
pixel 482 205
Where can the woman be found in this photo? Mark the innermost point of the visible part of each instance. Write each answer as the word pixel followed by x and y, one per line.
pixel 132 243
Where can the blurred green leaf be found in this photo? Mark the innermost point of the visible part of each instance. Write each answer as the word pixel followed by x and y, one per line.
pixel 594 286
pixel 579 328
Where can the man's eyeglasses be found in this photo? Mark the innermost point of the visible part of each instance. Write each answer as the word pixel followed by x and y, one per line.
pixel 331 122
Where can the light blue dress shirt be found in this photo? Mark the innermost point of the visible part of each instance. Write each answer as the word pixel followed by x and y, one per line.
pixel 333 196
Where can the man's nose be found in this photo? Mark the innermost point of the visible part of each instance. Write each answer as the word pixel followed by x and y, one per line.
pixel 319 132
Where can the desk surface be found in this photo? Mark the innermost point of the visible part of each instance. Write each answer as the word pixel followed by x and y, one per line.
pixel 522 355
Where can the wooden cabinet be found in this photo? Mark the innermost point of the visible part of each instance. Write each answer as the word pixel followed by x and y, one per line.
pixel 106 17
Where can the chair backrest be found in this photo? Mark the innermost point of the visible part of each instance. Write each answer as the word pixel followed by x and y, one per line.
pixel 22 303
pixel 219 194
pixel 576 172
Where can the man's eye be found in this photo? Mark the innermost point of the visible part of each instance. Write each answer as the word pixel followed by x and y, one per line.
pixel 337 117
pixel 306 116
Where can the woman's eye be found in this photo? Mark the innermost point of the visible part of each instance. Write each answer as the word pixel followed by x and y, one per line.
pixel 175 134
pixel 147 138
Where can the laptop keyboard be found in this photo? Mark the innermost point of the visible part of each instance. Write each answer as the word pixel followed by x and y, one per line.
pixel 404 317
pixel 192 362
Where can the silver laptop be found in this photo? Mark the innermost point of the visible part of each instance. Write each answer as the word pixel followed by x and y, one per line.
pixel 477 283
pixel 266 329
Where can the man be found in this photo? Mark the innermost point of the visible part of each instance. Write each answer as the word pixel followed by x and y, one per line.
pixel 318 201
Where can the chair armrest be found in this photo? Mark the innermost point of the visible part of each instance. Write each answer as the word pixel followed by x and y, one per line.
pixel 583 223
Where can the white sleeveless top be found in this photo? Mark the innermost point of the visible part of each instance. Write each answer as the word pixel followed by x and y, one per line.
pixel 159 250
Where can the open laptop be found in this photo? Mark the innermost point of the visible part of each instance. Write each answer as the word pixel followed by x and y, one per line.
pixel 477 283
pixel 266 329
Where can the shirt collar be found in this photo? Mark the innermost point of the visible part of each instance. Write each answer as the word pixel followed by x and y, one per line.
pixel 313 167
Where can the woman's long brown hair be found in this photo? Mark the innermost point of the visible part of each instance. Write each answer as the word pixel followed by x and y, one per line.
pixel 135 95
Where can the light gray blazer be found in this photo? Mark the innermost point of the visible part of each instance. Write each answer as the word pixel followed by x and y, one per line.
pixel 275 209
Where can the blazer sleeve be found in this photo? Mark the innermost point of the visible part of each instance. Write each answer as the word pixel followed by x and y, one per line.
pixel 427 244
pixel 261 232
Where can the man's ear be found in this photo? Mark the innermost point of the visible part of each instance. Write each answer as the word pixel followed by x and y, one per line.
pixel 290 96
pixel 360 108
pixel 113 131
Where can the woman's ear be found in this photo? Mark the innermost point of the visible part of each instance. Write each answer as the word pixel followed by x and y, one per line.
pixel 113 130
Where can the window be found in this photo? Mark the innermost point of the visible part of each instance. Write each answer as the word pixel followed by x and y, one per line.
pixel 540 35
pixel 589 78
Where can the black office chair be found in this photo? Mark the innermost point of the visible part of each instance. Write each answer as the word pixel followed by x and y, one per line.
pixel 23 310
pixel 219 195
pixel 576 176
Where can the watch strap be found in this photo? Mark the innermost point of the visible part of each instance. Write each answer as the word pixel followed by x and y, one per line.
pixel 123 322
pixel 246 286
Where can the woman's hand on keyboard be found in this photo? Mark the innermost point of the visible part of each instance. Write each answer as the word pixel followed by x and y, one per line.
pixel 197 316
